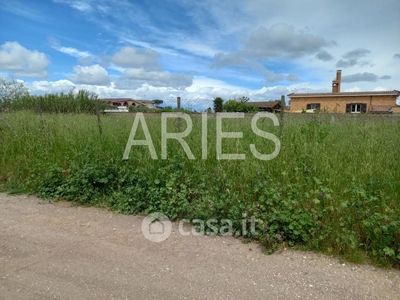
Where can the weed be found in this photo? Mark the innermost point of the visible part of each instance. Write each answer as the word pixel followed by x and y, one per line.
pixel 333 188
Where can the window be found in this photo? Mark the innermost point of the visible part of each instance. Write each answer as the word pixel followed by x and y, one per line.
pixel 356 108
pixel 313 106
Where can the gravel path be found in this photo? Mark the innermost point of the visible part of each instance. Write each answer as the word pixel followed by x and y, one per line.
pixel 59 251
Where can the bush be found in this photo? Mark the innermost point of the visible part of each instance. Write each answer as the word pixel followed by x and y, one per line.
pixel 81 102
pixel 238 106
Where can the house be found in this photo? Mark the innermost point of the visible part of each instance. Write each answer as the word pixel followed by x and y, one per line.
pixel 147 103
pixel 269 106
pixel 128 102
pixel 382 102
pixel 273 106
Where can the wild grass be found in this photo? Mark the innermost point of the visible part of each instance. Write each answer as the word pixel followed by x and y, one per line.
pixel 334 187
pixel 72 102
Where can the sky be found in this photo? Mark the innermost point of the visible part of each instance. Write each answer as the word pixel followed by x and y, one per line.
pixel 199 50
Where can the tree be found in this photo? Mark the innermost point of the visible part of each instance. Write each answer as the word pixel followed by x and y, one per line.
pixel 158 102
pixel 244 99
pixel 240 105
pixel 218 102
pixel 232 106
pixel 11 90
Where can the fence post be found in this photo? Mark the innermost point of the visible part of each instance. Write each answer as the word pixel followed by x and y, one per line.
pixel 282 114
pixel 178 104
pixel 96 102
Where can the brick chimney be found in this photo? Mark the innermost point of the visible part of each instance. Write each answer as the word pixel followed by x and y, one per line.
pixel 336 83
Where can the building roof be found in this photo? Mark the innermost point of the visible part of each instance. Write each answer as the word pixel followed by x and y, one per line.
pixel 145 101
pixel 346 94
pixel 264 104
pixel 117 99
pixel 125 99
pixel 138 102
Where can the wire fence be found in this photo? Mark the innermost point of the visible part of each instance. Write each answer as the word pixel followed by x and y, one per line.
pixel 242 104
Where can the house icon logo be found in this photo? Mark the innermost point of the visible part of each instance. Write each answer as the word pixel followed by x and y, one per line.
pixel 156 227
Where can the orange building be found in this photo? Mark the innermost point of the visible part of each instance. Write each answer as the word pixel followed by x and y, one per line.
pixel 128 102
pixel 345 102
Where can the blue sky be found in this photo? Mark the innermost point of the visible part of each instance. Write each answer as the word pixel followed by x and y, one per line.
pixel 199 50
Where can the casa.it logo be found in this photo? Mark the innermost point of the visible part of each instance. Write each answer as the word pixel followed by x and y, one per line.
pixel 156 227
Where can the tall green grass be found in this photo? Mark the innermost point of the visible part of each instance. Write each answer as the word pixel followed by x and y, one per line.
pixel 80 102
pixel 334 187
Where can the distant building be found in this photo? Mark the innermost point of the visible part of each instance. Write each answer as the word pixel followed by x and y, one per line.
pixel 345 102
pixel 269 106
pixel 128 102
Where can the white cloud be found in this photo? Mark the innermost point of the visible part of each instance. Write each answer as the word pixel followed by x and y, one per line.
pixel 205 89
pixel 45 87
pixel 239 60
pixel 277 44
pixel 197 48
pixel 21 9
pixel 84 57
pixel 116 68
pixel 198 96
pixel 141 67
pixel 381 88
pixel 352 58
pixel 279 41
pixel 228 59
pixel 138 77
pixel 92 75
pixel 324 56
pixel 205 82
pixel 293 77
pixel 80 5
pixel 23 62
pixel 73 52
pixel 130 57
pixel 353 89
pixel 143 92
pixel 366 76
pixel 282 40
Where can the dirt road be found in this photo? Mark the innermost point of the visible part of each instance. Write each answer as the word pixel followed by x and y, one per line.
pixel 58 251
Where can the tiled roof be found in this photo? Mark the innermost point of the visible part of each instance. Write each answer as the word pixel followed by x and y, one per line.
pixel 266 104
pixel 145 101
pixel 117 99
pixel 344 94
pixel 125 99
pixel 113 100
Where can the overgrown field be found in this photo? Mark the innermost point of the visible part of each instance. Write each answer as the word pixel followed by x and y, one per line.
pixel 334 187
